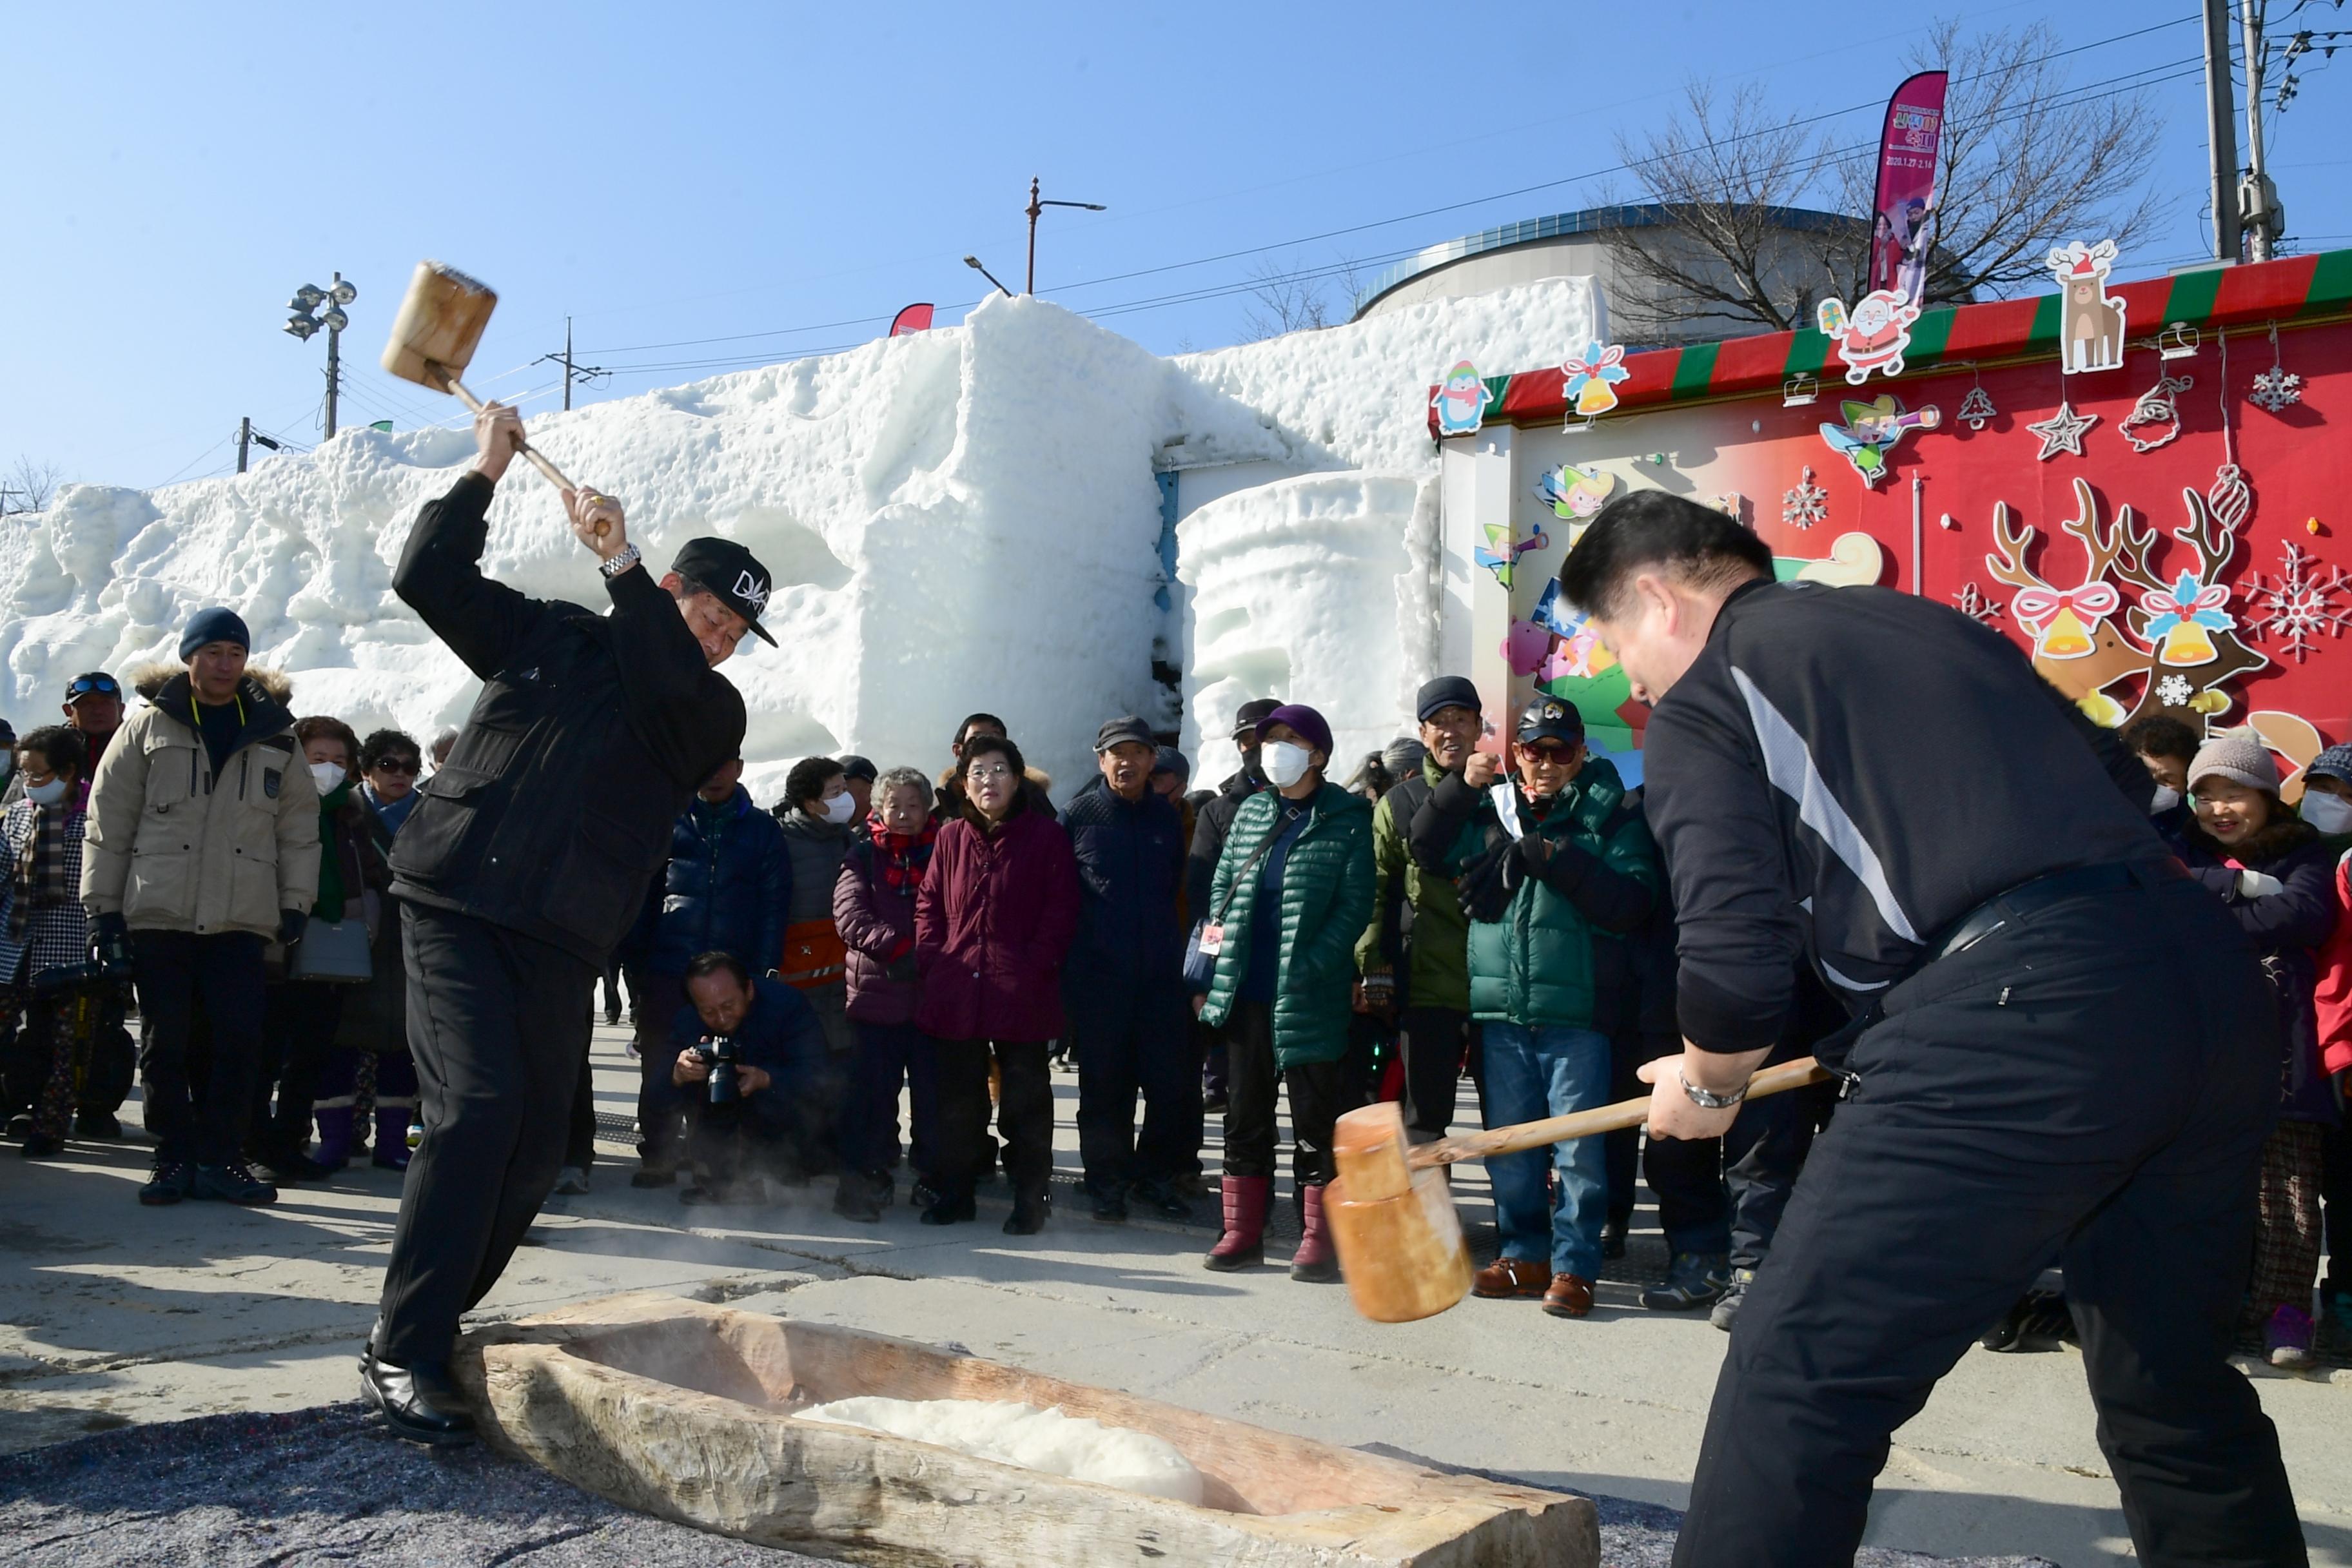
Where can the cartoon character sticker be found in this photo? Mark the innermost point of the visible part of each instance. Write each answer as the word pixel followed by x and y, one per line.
pixel 1875 336
pixel 2090 320
pixel 1592 377
pixel 1504 558
pixel 1461 400
pixel 1872 430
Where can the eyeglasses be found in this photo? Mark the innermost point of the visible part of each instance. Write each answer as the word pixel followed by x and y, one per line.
pixel 990 770
pixel 102 684
pixel 408 765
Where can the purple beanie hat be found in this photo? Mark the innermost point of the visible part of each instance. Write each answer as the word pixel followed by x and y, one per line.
pixel 1304 721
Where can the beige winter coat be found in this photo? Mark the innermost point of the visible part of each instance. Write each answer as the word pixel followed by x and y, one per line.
pixel 171 848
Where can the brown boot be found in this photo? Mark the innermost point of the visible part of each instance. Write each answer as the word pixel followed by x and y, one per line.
pixel 1243 1246
pixel 1314 1261
pixel 1570 1296
pixel 1511 1277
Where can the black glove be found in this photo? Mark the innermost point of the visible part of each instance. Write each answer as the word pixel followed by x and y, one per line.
pixel 902 971
pixel 108 930
pixel 290 926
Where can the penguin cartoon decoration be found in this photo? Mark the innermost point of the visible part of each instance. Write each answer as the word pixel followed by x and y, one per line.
pixel 1461 400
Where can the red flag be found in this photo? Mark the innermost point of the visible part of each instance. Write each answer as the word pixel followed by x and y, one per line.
pixel 1902 215
pixel 913 318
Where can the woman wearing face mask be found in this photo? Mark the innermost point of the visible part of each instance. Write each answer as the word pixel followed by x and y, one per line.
pixel 301 1017
pixel 2274 874
pixel 819 815
pixel 994 917
pixel 42 928
pixel 1292 893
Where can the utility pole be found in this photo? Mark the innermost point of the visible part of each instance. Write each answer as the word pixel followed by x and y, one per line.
pixel 301 324
pixel 334 365
pixel 2222 132
pixel 243 440
pixel 572 373
pixel 2258 206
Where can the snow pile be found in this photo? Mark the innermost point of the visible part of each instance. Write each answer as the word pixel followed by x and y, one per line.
pixel 966 518
pixel 1023 1434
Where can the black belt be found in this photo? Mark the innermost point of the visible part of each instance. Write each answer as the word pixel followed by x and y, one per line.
pixel 2039 892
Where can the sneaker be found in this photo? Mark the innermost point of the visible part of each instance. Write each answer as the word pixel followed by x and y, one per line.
pixel 287 1170
pixel 1726 1306
pixel 168 1181
pixel 1162 1198
pixel 21 1125
pixel 2287 1339
pixel 572 1182
pixel 1214 1102
pixel 233 1183
pixel 1612 1240
pixel 42 1145
pixel 1693 1279
pixel 945 1210
pixel 861 1198
pixel 1109 1207
pixel 924 1194
pixel 100 1124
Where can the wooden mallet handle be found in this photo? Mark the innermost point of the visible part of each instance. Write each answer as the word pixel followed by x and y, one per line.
pixel 1584 1123
pixel 554 475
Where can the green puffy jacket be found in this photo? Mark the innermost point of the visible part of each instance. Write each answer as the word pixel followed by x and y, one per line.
pixel 1326 895
pixel 1435 973
pixel 1554 957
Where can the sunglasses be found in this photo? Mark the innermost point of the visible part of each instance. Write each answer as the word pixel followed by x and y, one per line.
pixel 408 765
pixel 102 684
pixel 1549 751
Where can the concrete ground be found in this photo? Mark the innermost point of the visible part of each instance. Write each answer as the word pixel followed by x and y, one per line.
pixel 112 1315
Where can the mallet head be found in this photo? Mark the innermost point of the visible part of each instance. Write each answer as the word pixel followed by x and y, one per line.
pixel 1400 1241
pixel 439 324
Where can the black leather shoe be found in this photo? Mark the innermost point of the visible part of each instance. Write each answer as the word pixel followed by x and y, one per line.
pixel 1109 1207
pixel 1029 1215
pixel 419 1403
pixel 100 1124
pixel 653 1176
pixel 950 1211
pixel 233 1182
pixel 1162 1197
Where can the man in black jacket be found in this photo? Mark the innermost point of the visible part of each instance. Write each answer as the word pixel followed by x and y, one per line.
pixel 521 868
pixel 1210 826
pixel 2060 1050
pixel 1123 983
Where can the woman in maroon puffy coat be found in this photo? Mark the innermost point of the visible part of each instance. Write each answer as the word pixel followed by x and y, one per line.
pixel 992 922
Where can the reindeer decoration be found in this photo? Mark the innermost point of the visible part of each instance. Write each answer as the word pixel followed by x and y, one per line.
pixel 2091 321
pixel 2191 645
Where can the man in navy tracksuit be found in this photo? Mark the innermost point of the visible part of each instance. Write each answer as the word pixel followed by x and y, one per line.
pixel 2060 1049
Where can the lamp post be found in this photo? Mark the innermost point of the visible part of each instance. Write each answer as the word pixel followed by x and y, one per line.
pixel 973 262
pixel 1033 209
pixel 303 324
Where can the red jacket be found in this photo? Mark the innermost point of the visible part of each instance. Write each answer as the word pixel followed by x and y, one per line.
pixel 2333 995
pixel 992 922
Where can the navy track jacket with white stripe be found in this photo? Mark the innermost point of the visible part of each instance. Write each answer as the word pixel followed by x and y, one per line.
pixel 1846 773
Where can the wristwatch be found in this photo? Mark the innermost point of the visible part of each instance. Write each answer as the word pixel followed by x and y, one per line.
pixel 1707 1099
pixel 629 556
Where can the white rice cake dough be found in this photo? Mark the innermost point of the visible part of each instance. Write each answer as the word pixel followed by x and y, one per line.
pixel 1022 1435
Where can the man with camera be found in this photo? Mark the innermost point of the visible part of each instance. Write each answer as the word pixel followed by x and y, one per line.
pixel 747 1052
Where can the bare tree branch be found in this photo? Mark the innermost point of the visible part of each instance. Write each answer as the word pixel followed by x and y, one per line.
pixel 1285 300
pixel 28 486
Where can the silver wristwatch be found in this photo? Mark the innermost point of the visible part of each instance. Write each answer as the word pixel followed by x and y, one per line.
pixel 1707 1099
pixel 629 556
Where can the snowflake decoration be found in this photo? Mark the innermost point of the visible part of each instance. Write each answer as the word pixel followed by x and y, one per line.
pixel 2298 604
pixel 1976 409
pixel 2276 389
pixel 2173 691
pixel 1975 607
pixel 1806 503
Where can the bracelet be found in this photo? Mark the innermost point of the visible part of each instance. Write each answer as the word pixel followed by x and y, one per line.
pixel 1707 1099
pixel 628 557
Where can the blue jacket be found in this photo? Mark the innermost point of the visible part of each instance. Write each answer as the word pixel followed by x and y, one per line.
pixel 727 896
pixel 779 1036
pixel 1131 877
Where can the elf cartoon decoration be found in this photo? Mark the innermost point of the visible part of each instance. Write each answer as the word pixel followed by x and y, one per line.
pixel 1875 336
pixel 1872 430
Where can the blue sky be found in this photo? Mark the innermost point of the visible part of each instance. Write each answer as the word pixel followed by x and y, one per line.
pixel 775 177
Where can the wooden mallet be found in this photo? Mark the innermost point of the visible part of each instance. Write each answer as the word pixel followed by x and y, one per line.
pixel 1391 1210
pixel 434 338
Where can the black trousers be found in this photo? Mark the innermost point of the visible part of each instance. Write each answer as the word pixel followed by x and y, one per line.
pixel 659 998
pixel 1024 1114
pixel 1685 1175
pixel 1134 1037
pixel 2090 1084
pixel 888 1056
pixel 498 1025
pixel 579 1131
pixel 173 969
pixel 1317 1097
pixel 1429 1039
pixel 1762 1156
pixel 299 1021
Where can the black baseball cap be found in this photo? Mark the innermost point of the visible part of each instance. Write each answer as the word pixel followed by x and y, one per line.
pixel 1550 719
pixel 1125 728
pixel 1445 691
pixel 732 573
pixel 854 766
pixel 97 681
pixel 1251 714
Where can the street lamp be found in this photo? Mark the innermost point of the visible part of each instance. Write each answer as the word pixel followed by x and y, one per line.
pixel 973 262
pixel 303 324
pixel 1033 209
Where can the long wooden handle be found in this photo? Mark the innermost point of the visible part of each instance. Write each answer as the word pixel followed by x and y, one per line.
pixel 554 475
pixel 1584 1123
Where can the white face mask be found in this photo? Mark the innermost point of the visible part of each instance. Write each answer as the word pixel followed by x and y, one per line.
pixel 47 794
pixel 2330 814
pixel 329 776
pixel 841 808
pixel 1285 764
pixel 2166 797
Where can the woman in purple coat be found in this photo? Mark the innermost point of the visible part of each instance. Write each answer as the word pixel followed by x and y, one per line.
pixel 874 909
pixel 992 922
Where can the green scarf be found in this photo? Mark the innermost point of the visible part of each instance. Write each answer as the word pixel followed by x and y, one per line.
pixel 329 905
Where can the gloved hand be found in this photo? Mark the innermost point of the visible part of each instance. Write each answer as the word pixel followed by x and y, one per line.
pixel 2258 885
pixel 108 930
pixel 902 971
pixel 290 923
pixel 1535 851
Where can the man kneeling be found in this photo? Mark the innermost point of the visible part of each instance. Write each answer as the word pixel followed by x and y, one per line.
pixel 747 1051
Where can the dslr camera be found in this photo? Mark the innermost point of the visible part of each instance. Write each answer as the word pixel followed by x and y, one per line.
pixel 717 1053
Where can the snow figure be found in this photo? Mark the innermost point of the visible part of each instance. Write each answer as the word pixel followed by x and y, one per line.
pixel 2298 604
pixel 1497 560
pixel 1593 378
pixel 2183 617
pixel 1461 400
pixel 1875 336
pixel 1872 431
pixel 2090 320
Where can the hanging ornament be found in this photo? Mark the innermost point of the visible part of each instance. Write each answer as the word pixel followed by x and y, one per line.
pixel 2275 390
pixel 2155 409
pixel 1806 503
pixel 1976 409
pixel 2231 499
pixel 2061 432
pixel 1975 605
pixel 2298 604
pixel 2174 691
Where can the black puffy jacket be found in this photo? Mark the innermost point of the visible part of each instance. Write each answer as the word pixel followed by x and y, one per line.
pixel 553 813
pixel 1130 867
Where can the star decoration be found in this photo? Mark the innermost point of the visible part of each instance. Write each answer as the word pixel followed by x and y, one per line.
pixel 2276 389
pixel 1976 409
pixel 2298 604
pixel 1975 605
pixel 2061 432
pixel 1806 503
pixel 2172 691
